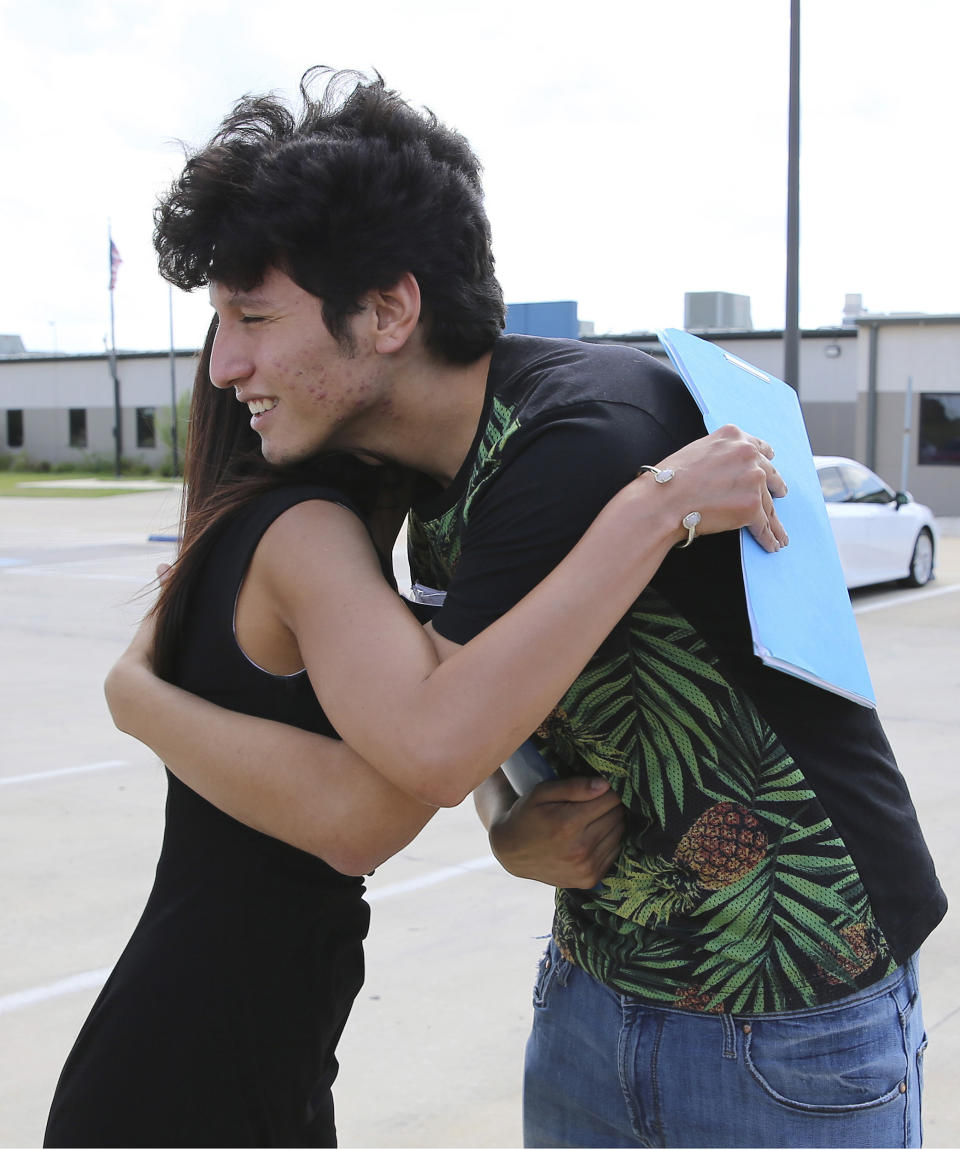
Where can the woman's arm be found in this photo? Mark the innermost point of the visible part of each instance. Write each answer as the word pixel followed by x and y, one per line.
pixel 441 740
pixel 310 791
pixel 437 731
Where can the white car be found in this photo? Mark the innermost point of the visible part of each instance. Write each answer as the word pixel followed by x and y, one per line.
pixel 882 535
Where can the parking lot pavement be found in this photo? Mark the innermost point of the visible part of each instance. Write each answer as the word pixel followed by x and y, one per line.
pixel 433 1051
pixel 911 640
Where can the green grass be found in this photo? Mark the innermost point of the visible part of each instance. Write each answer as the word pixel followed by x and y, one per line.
pixel 11 485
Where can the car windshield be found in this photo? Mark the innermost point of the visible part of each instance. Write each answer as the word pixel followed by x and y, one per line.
pixel 831 482
pixel 865 487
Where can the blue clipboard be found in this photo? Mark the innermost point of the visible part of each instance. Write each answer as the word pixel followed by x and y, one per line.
pixel 801 618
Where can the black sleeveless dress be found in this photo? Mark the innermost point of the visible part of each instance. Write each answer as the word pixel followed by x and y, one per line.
pixel 219 1024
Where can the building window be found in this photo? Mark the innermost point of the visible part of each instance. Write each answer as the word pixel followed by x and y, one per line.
pixel 146 427
pixel 78 427
pixel 14 429
pixel 939 440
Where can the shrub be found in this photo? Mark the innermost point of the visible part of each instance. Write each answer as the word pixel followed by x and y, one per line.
pixel 97 463
pixel 134 466
pixel 24 462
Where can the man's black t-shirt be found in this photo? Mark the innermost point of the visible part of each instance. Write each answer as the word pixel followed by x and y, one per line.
pixel 773 858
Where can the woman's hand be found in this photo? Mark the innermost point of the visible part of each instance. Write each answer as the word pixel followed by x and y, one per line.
pixel 728 478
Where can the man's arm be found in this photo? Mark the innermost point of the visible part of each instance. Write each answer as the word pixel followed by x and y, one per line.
pixel 566 832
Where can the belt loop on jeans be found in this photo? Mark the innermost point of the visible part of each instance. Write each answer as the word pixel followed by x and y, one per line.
pixel 562 964
pixel 729 1036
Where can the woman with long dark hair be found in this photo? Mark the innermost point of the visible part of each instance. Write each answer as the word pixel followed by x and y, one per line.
pixel 219 1023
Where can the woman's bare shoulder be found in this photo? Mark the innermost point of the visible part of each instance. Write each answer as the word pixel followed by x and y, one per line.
pixel 315 539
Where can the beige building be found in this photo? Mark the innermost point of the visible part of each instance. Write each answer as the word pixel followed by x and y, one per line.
pixel 854 385
pixel 908 402
pixel 855 380
pixel 60 408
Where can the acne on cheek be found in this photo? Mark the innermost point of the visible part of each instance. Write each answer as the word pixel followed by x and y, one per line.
pixel 347 398
pixel 387 408
pixel 340 398
pixel 313 381
pixel 341 401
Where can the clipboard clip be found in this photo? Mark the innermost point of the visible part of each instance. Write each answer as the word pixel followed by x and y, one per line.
pixel 746 366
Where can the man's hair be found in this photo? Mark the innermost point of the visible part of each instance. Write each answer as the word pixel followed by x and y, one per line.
pixel 346 198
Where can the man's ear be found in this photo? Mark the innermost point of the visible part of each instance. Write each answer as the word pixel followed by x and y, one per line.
pixel 398 312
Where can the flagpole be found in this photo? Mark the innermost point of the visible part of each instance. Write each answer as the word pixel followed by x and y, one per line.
pixel 117 426
pixel 173 389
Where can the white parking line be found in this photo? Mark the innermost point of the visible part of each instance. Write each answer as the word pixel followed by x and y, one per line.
pixel 88 980
pixel 898 599
pixel 56 573
pixel 94 979
pixel 66 569
pixel 430 879
pixel 39 776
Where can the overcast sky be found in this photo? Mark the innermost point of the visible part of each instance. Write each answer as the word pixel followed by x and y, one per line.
pixel 633 149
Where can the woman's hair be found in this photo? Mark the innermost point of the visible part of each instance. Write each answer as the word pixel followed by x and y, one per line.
pixel 224 470
pixel 345 198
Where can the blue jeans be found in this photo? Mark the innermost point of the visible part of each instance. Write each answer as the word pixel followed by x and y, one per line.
pixel 604 1069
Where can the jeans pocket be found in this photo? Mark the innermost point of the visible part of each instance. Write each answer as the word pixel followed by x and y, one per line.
pixel 551 965
pixel 831 1062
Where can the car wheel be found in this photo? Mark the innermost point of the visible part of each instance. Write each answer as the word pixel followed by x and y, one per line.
pixel 921 562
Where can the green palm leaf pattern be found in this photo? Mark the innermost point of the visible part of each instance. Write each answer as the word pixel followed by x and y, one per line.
pixel 733 890
pixel 682 745
pixel 435 548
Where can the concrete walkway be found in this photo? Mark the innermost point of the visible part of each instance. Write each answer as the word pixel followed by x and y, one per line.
pixel 121 481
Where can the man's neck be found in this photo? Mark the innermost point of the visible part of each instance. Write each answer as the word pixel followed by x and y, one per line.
pixel 431 418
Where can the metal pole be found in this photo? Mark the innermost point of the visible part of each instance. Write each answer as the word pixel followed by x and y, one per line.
pixel 791 327
pixel 873 351
pixel 907 434
pixel 117 413
pixel 117 426
pixel 173 390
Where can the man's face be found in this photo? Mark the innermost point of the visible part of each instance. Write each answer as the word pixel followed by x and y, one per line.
pixel 304 391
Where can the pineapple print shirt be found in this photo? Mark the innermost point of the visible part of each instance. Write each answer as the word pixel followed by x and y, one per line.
pixel 773 859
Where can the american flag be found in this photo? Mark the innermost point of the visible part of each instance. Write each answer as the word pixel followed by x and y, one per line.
pixel 115 262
